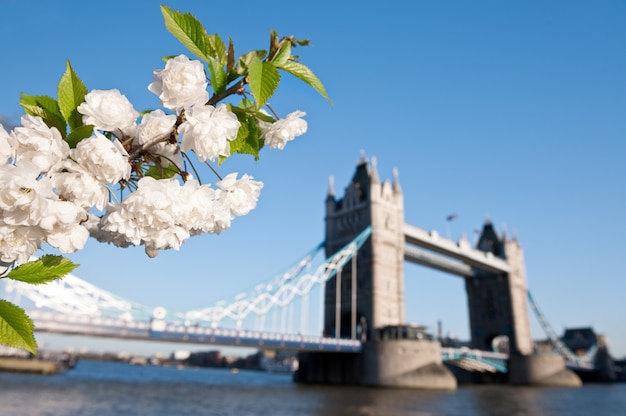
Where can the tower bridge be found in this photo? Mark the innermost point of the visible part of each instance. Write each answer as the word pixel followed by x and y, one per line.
pixel 374 297
pixel 363 337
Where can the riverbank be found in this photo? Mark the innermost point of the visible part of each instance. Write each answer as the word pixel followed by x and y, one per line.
pixel 35 365
pixel 23 365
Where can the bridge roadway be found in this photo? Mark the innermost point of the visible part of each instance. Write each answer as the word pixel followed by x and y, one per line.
pixel 476 360
pixel 460 258
pixel 162 331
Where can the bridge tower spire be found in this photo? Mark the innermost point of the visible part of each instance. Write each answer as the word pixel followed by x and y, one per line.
pixel 367 201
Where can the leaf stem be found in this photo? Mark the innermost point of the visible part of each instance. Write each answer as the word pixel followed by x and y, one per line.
pixel 192 167
pixel 214 171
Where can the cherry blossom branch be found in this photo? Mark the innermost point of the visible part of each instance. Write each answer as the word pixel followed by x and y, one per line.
pixel 143 148
pixel 236 88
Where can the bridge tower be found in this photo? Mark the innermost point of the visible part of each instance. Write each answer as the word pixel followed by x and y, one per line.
pixel 498 305
pixel 369 304
pixel 380 269
pixel 498 302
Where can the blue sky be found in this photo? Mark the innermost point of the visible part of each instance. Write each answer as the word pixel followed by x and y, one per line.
pixel 509 111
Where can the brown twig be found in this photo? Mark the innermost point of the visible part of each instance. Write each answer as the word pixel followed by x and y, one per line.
pixel 142 149
pixel 234 89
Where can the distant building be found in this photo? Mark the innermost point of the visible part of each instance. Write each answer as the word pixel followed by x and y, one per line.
pixel 580 340
pixel 206 359
pixel 620 369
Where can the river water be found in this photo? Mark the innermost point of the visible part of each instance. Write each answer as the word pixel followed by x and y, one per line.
pixel 107 389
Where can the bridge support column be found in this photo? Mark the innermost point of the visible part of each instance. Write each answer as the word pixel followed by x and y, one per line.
pixel 390 363
pixel 406 363
pixel 541 370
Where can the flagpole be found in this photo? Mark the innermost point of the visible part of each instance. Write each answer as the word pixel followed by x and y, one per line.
pixel 449 219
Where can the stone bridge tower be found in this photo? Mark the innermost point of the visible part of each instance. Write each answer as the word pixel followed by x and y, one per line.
pixel 498 302
pixel 380 301
pixel 388 357
pixel 498 305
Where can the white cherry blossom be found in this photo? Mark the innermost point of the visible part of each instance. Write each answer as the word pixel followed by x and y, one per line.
pixel 181 84
pixel 62 226
pixel 38 143
pixel 207 130
pixel 48 193
pixel 240 195
pixel 74 183
pixel 277 134
pixel 108 110
pixel 155 124
pixel 150 216
pixel 23 194
pixel 17 244
pixel 203 210
pixel 95 224
pixel 105 159
pixel 7 145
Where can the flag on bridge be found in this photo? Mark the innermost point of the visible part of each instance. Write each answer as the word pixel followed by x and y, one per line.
pixel 451 217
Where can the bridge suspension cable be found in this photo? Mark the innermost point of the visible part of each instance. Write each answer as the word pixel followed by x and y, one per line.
pixel 584 360
pixel 74 296
pixel 282 290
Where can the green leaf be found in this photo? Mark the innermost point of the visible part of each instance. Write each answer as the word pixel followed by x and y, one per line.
pixel 246 104
pixel 78 134
pixel 230 56
pixel 283 54
pixel 274 43
pixel 242 133
pixel 218 77
pixel 264 117
pixel 306 75
pixel 264 79
pixel 217 49
pixel 16 328
pixel 43 270
pixel 248 139
pixel 244 60
pixel 71 93
pixel 45 107
pixel 160 172
pixel 246 109
pixel 45 102
pixel 189 31
pixel 302 42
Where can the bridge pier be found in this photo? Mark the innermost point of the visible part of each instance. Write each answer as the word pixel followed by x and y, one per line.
pixel 388 363
pixel 406 363
pixel 544 370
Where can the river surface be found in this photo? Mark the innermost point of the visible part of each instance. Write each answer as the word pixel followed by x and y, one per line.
pixel 107 389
